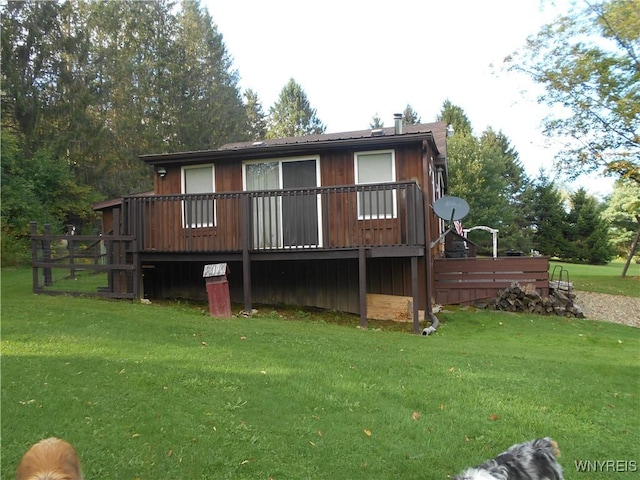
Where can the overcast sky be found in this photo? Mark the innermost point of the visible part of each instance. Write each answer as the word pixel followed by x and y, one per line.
pixel 356 58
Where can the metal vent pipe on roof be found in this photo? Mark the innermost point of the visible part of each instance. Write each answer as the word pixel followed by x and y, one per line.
pixel 397 118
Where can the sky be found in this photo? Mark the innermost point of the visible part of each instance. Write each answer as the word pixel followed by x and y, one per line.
pixel 355 59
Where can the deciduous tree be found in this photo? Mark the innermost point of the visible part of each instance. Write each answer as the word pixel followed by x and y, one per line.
pixel 623 214
pixel 588 64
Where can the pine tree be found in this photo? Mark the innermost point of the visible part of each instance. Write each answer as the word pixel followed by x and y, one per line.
pixel 487 173
pixel 376 122
pixel 548 218
pixel 292 115
pixel 256 119
pixel 454 115
pixel 410 116
pixel 588 232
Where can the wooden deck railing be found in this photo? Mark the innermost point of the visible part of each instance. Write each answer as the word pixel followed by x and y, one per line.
pixel 344 217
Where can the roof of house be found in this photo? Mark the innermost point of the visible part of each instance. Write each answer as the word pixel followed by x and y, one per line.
pixel 434 132
pixel 114 202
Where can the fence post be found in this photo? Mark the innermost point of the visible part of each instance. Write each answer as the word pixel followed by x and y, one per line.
pixel 34 254
pixel 46 250
pixel 72 261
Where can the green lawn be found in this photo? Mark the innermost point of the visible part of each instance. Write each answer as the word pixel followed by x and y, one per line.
pixel 166 392
pixel 600 278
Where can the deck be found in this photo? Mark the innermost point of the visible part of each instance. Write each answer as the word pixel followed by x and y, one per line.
pixel 337 232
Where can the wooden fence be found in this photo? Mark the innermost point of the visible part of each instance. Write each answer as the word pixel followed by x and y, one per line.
pixel 71 264
pixel 467 280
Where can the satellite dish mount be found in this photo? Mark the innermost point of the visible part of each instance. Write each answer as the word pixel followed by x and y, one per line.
pixel 449 209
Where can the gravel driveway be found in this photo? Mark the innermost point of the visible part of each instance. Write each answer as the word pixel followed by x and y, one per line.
pixel 609 308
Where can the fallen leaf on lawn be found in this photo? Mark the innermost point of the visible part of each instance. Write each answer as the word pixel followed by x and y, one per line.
pixel 244 462
pixel 467 439
pixel 311 443
pixel 320 434
pixel 121 371
pixel 442 406
pixel 243 338
pixel 170 453
pixel 493 417
pixel 204 344
pixel 367 432
pixel 416 415
pixel 452 369
pixel 135 435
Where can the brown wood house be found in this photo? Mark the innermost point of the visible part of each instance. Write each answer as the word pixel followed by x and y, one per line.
pixel 319 220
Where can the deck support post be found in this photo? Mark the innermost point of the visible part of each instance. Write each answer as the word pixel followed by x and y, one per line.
pixel 362 286
pixel 246 280
pixel 416 295
pixel 246 258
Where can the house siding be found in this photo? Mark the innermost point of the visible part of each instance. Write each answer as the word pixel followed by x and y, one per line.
pixel 330 284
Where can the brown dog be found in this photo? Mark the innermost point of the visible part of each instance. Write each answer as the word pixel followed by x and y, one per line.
pixel 50 459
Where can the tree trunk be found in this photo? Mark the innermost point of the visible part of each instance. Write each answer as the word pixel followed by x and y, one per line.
pixel 634 247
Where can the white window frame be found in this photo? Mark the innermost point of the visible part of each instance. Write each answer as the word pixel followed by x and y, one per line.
pixel 183 188
pixel 394 202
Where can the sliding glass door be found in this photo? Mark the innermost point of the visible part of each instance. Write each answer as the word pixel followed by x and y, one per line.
pixel 284 219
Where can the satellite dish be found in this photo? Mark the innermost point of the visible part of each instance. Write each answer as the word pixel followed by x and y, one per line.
pixel 451 208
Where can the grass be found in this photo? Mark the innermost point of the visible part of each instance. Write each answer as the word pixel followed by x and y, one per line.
pixel 601 278
pixel 166 392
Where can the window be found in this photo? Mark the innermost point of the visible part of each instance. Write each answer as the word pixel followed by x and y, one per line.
pixel 199 211
pixel 376 167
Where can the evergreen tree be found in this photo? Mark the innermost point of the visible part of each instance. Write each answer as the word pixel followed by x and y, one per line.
pixel 410 116
pixel 487 173
pixel 588 232
pixel 454 115
pixel 548 218
pixel 292 115
pixel 210 111
pixel 505 183
pixel 256 119
pixel 376 122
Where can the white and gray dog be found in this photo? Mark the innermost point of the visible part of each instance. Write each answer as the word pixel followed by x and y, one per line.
pixel 534 460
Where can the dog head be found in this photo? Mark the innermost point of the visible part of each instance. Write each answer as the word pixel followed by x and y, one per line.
pixel 50 459
pixel 535 460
